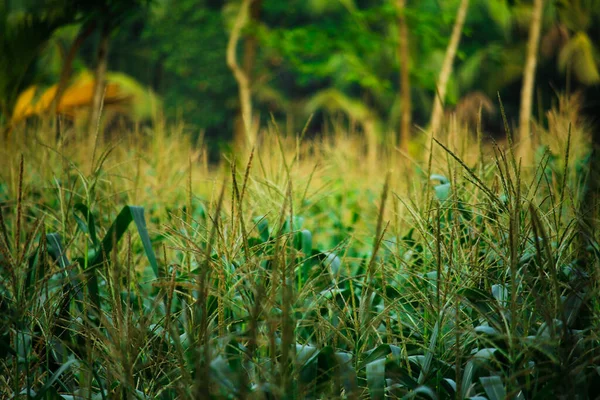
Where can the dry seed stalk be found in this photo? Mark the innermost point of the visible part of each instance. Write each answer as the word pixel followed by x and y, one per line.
pixel 19 211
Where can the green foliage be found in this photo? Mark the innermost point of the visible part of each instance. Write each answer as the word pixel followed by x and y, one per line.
pixel 482 288
pixel 23 33
pixel 187 42
pixel 483 285
pixel 306 47
pixel 31 54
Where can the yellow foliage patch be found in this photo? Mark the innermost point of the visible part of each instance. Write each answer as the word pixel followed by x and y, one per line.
pixel 75 100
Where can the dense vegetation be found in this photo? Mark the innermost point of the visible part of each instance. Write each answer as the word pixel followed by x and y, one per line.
pixel 303 271
pixel 304 57
pixel 233 199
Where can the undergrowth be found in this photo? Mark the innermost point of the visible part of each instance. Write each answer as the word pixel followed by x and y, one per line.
pixel 137 270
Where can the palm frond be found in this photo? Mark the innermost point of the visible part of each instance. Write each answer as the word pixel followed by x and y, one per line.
pixel 578 54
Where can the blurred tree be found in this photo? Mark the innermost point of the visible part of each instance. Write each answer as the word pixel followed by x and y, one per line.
pixel 316 48
pixel 185 43
pixel 250 51
pixel 568 38
pixel 494 58
pixel 29 29
pixel 251 42
pixel 340 59
pixel 245 131
pixel 67 67
pixel 491 59
pixel 528 81
pixel 106 15
pixel 359 67
pixel 404 65
pixel 24 31
pixel 311 56
pixel 343 61
pixel 438 106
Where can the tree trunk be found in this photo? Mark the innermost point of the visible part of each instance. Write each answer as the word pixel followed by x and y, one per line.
pixel 246 131
pixel 248 63
pixel 438 108
pixel 525 143
pixel 99 80
pixel 404 62
pixel 251 43
pixel 67 68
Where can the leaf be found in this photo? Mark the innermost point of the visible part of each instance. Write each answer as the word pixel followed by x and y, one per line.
pixel 380 352
pixel 263 228
pixel 54 378
pixel 442 192
pixel 346 371
pixel 484 304
pixel 486 330
pixel 222 374
pixel 493 387
pixel 333 263
pixel 86 225
pixel 307 361
pixel 376 378
pixel 401 374
pixel 470 69
pixel 429 355
pixel 305 354
pixel 335 100
pixel 500 293
pixel 56 251
pixel 436 177
pixel 449 385
pixel 479 358
pixel 467 379
pixel 421 391
pixel 235 351
pixel 35 268
pixel 572 307
pixel 118 229
pixel 499 12
pixel 484 354
pixel 317 365
pixel 303 242
pixel 578 53
pixel 328 365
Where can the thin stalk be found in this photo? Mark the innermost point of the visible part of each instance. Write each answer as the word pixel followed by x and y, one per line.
pixel 563 186
pixel 203 362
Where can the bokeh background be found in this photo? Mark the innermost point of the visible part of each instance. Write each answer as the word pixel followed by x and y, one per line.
pixel 333 59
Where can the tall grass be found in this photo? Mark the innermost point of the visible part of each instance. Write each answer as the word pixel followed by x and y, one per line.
pixel 296 269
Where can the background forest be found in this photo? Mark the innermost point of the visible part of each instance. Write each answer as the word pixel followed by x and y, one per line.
pixel 297 58
pixel 299 199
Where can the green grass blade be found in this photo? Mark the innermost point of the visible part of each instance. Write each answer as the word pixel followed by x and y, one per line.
pixel 56 250
pixel 429 356
pixel 346 371
pixel 376 379
pixel 53 379
pixel 87 225
pixel 493 387
pixel 127 215
pixel 140 222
